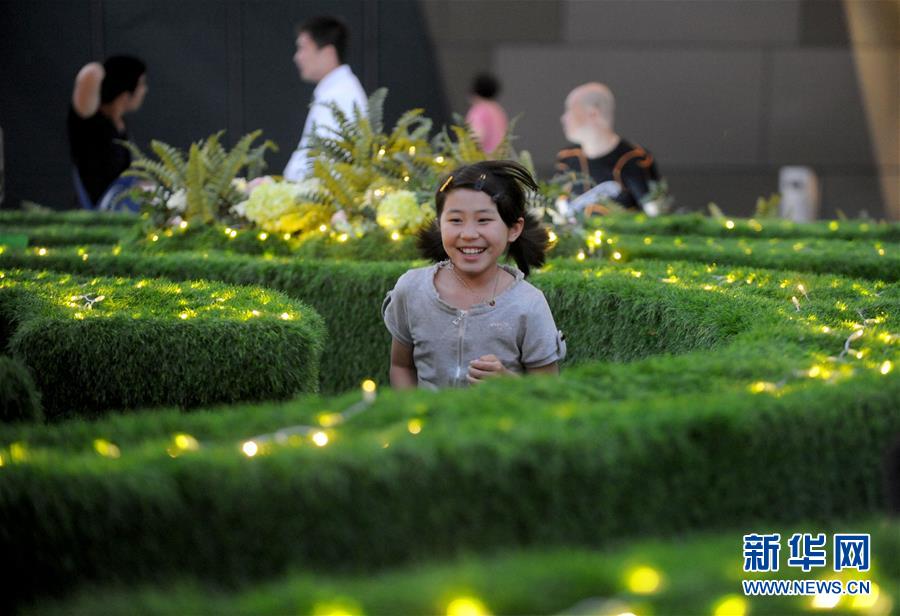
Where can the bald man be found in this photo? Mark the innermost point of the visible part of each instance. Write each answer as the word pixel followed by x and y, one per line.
pixel 618 170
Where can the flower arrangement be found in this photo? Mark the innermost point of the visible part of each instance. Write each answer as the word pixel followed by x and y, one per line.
pixel 399 211
pixel 201 186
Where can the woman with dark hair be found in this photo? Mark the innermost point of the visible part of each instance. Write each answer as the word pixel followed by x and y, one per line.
pixel 103 94
pixel 468 318
pixel 486 117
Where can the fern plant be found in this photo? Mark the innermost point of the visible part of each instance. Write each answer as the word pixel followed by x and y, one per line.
pixel 199 186
pixel 358 162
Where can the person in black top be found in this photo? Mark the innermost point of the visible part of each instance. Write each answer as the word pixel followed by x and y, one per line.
pixel 102 95
pixel 605 167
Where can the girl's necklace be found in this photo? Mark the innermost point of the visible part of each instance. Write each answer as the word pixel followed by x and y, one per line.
pixel 493 299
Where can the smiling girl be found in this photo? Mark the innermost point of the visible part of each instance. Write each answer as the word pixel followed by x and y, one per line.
pixel 469 318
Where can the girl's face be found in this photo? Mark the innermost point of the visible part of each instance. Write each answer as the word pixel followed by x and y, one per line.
pixel 472 232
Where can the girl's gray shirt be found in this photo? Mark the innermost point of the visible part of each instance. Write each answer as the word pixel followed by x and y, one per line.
pixel 519 329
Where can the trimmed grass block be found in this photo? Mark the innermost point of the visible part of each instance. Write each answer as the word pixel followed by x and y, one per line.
pixel 96 344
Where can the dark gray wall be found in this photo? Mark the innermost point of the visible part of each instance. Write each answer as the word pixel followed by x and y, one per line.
pixel 724 92
pixel 212 65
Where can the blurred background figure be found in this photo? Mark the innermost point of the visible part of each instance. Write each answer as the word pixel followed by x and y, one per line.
pixel 618 170
pixel 102 95
pixel 320 58
pixel 486 117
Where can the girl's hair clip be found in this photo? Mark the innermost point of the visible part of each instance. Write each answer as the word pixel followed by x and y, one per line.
pixel 446 183
pixel 480 183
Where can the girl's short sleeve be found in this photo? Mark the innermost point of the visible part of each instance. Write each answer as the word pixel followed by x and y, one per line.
pixel 395 316
pixel 543 344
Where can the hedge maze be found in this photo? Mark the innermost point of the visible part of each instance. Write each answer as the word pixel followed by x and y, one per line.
pixel 183 426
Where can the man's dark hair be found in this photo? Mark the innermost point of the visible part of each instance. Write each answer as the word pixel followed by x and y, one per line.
pixel 486 85
pixel 327 30
pixel 122 75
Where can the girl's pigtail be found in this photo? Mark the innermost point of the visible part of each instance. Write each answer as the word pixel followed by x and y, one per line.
pixel 429 242
pixel 530 247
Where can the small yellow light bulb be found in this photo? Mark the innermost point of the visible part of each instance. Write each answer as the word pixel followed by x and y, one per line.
pixel 439 159
pixel 183 224
pixel 285 316
pixel 320 439
pixel 644 580
pixel 250 449
pixel 580 255
pixel 466 606
pixel 414 426
pixel 369 388
pixel 731 605
pixel 886 367
pixel 395 236
pixel 42 251
pixel 263 236
pixel 286 236
pixel 729 224
pixel 552 236
pixel 617 255
pixel 186 442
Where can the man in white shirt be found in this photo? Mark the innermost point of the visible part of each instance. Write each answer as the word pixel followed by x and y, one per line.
pixel 321 48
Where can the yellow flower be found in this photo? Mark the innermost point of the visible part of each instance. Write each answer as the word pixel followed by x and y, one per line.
pixel 399 210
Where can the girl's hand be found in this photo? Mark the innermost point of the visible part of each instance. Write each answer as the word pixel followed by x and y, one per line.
pixel 485 367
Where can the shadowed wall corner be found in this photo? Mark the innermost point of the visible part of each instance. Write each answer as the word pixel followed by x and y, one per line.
pixel 875 35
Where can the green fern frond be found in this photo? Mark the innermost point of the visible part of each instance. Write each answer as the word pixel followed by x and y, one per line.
pixel 197 203
pixel 467 147
pixel 169 156
pixel 256 162
pixel 155 172
pixel 376 110
pixel 333 184
pixel 232 164
pixel 135 151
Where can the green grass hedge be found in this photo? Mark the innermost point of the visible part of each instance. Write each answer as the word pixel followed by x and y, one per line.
pixel 754 424
pixel 859 259
pixel 478 476
pixel 96 344
pixel 66 217
pixel 374 246
pixel 698 224
pixel 67 235
pixel 19 400
pixel 695 574
pixel 608 317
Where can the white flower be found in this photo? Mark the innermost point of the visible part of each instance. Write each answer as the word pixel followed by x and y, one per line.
pixel 177 201
pixel 240 209
pixel 240 184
